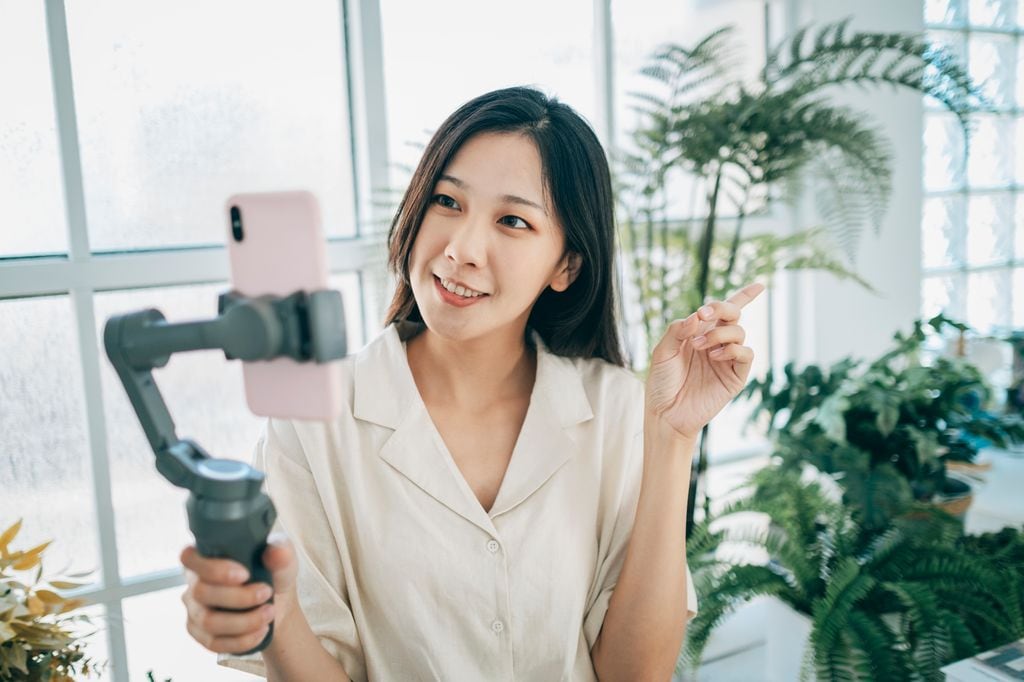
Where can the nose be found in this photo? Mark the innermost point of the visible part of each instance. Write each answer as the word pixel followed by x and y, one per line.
pixel 467 243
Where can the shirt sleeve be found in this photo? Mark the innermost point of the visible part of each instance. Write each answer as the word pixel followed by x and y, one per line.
pixel 321 587
pixel 614 552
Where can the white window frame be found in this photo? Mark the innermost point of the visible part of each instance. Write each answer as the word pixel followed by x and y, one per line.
pixel 81 274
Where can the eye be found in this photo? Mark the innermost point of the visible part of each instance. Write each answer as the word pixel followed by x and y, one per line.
pixel 522 223
pixel 445 201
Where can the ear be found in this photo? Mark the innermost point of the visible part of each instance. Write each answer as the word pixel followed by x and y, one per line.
pixel 568 269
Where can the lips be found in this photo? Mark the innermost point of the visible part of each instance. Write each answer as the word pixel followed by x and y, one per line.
pixel 447 281
pixel 454 299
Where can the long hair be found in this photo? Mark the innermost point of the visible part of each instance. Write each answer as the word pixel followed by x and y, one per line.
pixel 580 321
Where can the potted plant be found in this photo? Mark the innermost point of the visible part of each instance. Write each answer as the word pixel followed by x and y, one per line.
pixel 886 429
pixel 746 144
pixel 38 638
pixel 890 603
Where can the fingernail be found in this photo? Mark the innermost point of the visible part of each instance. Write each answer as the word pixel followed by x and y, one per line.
pixel 716 351
pixel 264 592
pixel 239 574
pixel 699 341
pixel 707 311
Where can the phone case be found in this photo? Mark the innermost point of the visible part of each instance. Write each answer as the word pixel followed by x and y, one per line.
pixel 282 250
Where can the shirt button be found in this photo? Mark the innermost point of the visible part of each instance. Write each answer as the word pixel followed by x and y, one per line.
pixel 497 626
pixel 493 546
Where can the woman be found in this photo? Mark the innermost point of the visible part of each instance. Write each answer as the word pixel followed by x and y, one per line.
pixel 501 498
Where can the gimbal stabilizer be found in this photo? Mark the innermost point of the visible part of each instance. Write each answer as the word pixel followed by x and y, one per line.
pixel 228 514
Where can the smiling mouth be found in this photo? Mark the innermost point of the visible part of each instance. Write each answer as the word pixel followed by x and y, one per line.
pixel 458 289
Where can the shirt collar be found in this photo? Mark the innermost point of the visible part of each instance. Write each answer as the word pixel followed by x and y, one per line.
pixel 386 394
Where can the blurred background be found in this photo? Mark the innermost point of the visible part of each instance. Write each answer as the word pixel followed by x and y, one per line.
pixel 124 125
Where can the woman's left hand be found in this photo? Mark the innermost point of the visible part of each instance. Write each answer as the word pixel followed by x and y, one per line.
pixel 699 365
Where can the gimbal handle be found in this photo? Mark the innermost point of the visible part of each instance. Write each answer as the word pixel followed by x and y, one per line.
pixel 228 514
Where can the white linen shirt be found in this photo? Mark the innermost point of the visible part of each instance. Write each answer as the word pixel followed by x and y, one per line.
pixel 404 576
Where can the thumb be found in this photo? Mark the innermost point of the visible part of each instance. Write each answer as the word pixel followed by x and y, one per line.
pixel 279 558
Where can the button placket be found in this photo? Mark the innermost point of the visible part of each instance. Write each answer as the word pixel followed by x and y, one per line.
pixel 497 626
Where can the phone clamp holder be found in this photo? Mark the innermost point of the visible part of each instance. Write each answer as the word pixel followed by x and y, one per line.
pixel 228 513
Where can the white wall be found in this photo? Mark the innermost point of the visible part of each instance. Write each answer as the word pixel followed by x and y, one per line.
pixel 827 319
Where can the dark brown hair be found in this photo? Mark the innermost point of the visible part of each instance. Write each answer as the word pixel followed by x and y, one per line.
pixel 580 321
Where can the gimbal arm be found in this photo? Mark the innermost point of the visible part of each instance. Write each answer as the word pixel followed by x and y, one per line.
pixel 228 514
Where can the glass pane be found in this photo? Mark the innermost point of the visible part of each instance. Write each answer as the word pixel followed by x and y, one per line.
pixel 157 642
pixel 1019 151
pixel 943 153
pixel 181 104
pixel 989 228
pixel 1020 69
pixel 1018 298
pixel 993 63
pixel 944 12
pixel 988 300
pixel 547 44
pixel 943 294
pixel 96 644
pixel 942 231
pixel 998 13
pixel 954 42
pixel 205 396
pixel 1019 221
pixel 31 187
pixel 991 159
pixel 45 470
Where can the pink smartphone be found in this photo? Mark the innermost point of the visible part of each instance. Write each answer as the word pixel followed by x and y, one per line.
pixel 276 246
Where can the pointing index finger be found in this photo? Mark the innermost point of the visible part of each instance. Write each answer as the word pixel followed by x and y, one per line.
pixel 746 294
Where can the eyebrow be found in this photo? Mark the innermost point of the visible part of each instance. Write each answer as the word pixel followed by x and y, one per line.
pixel 508 198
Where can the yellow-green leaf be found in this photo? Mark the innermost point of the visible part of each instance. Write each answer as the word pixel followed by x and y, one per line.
pixel 35 605
pixel 9 534
pixel 66 584
pixel 71 605
pixel 31 557
pixel 49 597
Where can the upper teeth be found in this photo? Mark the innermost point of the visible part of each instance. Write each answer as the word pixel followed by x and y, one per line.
pixel 458 289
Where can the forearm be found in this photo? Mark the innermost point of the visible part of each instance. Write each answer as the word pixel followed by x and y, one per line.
pixel 295 653
pixel 646 620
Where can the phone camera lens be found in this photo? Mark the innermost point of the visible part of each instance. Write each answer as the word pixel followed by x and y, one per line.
pixel 236 223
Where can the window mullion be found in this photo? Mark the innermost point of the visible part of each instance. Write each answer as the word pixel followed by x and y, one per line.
pixel 368 109
pixel 82 299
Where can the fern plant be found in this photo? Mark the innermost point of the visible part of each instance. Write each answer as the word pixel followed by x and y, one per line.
pixel 746 143
pixel 896 603
pixel 886 428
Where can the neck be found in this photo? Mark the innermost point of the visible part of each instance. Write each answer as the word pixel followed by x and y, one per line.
pixel 471 374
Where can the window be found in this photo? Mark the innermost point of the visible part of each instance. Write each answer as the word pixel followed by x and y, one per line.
pixel 127 126
pixel 973 212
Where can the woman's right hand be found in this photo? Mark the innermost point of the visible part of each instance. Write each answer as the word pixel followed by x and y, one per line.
pixel 216 584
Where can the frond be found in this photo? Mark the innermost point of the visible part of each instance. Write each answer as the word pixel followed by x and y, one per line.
pixel 901 60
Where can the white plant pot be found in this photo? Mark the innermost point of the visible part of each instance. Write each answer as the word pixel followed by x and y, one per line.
pixel 764 640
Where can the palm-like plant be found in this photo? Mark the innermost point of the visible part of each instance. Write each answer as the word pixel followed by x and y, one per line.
pixel 895 604
pixel 744 142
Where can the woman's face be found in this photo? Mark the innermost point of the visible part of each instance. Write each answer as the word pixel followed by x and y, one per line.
pixel 490 230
